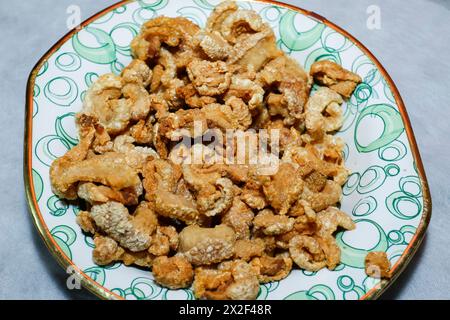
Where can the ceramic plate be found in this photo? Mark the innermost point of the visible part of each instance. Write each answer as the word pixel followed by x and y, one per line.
pixel 386 194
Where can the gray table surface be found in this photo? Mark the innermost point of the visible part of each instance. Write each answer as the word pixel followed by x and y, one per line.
pixel 413 44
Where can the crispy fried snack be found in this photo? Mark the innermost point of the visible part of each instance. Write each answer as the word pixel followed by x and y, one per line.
pixel 113 219
pixel 155 165
pixel 272 268
pixel 377 265
pixel 106 251
pixel 292 82
pixel 323 101
pixel 271 224
pixel 247 249
pixel 203 246
pixel 307 253
pixel 174 272
pixel 332 75
pixel 232 280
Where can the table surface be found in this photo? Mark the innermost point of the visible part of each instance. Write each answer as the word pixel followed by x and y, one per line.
pixel 413 44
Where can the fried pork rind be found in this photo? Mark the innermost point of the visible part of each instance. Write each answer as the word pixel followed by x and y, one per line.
pixel 191 97
pixel 271 224
pixel 219 14
pixel 250 42
pixel 140 258
pixel 329 196
pixel 239 217
pixel 240 22
pixel 174 272
pixel 213 45
pixel 164 240
pixel 307 253
pixel 306 223
pixel 65 187
pixel 162 181
pixel 137 72
pixel 209 78
pixel 86 222
pixel 102 101
pixel 106 251
pixel 254 198
pixel 109 169
pixel 145 219
pixel 156 200
pixel 272 268
pixel 142 131
pixel 135 156
pixel 288 179
pixel 232 280
pixel 93 194
pixel 214 194
pixel 204 246
pixel 232 115
pixel 171 32
pixel 331 250
pixel 254 50
pixel 323 158
pixel 288 136
pixel 331 219
pixel 377 265
pixel 113 219
pixel 115 100
pixel 292 82
pixel 102 141
pixel 247 249
pixel 323 101
pixel 248 91
pixel 332 75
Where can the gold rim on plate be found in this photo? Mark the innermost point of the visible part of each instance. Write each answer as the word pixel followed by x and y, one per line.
pixel 103 292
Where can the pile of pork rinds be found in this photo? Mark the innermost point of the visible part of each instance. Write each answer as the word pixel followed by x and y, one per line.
pixel 222 228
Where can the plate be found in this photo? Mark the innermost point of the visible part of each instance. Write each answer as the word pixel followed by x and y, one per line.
pixel 386 194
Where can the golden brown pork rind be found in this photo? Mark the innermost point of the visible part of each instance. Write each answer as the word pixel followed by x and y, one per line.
pixel 288 179
pixel 271 224
pixel 162 180
pixel 332 75
pixel 106 251
pixel 86 222
pixel 209 78
pixel 246 249
pixel 115 100
pixel 163 241
pixel 292 82
pixel 113 219
pixel 204 246
pixel 377 265
pixel 93 194
pixel 173 32
pixel 306 252
pixel 323 101
pixel 174 272
pixel 272 268
pixel 108 169
pixel 239 217
pixel 232 280
pixel 213 193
